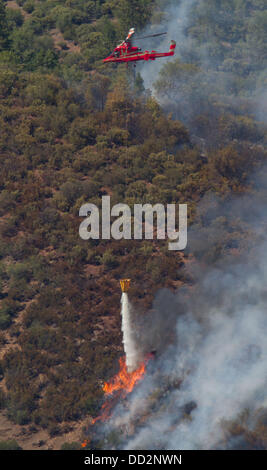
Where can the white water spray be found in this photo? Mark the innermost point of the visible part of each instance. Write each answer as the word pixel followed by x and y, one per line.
pixel 129 343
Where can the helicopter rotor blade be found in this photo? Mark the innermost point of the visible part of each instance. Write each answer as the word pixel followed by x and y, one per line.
pixel 152 35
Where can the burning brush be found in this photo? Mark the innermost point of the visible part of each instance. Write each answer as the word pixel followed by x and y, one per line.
pixel 131 369
pixel 118 388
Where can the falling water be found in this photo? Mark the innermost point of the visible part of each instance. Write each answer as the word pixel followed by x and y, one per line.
pixel 129 344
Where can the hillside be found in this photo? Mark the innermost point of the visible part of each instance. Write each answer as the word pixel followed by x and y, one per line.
pixel 73 130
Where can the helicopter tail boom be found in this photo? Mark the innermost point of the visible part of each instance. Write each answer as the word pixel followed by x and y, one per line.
pixel 172 47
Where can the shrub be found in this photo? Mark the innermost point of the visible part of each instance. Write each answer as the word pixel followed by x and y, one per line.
pixel 82 133
pixel 14 18
pixel 109 260
pixel 71 446
pixel 10 445
pixel 5 321
pixel 29 6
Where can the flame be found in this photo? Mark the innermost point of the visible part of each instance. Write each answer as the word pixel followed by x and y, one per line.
pixel 86 442
pixel 119 386
pixel 105 412
pixel 124 381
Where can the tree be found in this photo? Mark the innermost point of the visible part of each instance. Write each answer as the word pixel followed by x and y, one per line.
pixel 256 36
pixel 139 84
pixel 133 12
pixel 4 41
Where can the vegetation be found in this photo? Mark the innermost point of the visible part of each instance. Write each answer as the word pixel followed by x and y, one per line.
pixel 72 131
pixel 9 445
pixel 71 446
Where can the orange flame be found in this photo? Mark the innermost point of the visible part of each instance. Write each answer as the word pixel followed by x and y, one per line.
pixel 118 387
pixel 123 383
pixel 86 442
pixel 105 412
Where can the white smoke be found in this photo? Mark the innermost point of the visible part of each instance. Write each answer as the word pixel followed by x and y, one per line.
pixel 213 78
pixel 220 357
pixel 174 23
pixel 217 366
pixel 226 372
pixel 128 339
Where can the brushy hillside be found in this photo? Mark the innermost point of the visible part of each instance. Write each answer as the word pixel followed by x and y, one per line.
pixel 73 130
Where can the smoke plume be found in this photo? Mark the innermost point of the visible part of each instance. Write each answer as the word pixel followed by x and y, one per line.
pixel 210 370
pixel 211 367
pixel 207 64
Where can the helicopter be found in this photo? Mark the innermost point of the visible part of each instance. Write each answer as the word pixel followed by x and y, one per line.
pixel 126 52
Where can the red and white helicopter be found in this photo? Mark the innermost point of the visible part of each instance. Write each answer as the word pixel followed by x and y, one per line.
pixel 126 52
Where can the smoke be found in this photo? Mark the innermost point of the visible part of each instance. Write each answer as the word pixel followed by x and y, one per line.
pixel 261 105
pixel 174 22
pixel 211 363
pixel 204 77
pixel 129 342
pixel 210 337
pixel 223 362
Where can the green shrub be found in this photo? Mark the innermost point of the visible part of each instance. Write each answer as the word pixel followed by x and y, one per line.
pixel 71 446
pixel 14 18
pixel 5 321
pixel 10 445
pixel 29 6
pixel 109 260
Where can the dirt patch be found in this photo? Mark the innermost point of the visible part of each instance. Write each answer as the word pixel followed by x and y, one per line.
pixel 92 270
pixel 58 39
pixel 14 6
